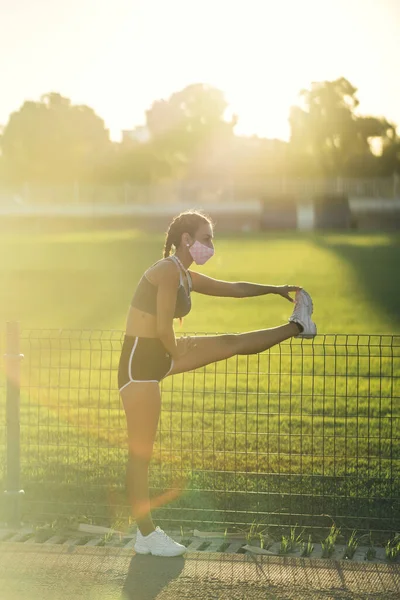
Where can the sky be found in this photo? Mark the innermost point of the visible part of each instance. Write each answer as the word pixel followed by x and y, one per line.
pixel 118 56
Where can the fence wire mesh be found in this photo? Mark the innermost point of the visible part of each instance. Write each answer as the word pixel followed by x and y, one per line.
pixel 304 433
pixel 3 426
pixel 200 191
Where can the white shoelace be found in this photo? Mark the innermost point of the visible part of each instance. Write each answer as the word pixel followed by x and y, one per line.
pixel 298 304
pixel 163 533
pixel 165 538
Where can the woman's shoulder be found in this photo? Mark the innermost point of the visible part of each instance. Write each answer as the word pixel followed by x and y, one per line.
pixel 163 270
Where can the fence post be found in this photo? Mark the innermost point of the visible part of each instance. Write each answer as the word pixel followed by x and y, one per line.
pixel 13 359
pixel 396 186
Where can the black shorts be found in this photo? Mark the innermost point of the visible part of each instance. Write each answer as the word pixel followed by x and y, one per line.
pixel 143 359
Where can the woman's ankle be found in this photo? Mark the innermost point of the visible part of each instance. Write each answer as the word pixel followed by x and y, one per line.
pixel 298 327
pixel 146 532
pixel 146 528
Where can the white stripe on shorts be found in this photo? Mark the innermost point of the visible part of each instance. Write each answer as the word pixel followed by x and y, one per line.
pixel 130 371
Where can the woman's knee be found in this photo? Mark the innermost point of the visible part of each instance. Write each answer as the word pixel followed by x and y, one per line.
pixel 231 342
pixel 140 453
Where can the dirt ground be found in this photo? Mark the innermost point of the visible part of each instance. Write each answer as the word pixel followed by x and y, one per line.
pixel 66 572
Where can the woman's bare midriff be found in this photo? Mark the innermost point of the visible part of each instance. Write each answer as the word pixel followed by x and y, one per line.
pixel 141 324
pixel 138 322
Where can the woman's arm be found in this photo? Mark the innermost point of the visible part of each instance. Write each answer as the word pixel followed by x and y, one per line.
pixel 237 289
pixel 168 281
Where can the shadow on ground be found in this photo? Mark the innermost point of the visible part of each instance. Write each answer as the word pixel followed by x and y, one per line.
pixel 375 262
pixel 149 575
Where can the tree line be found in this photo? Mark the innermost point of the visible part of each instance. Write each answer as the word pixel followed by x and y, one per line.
pixel 54 141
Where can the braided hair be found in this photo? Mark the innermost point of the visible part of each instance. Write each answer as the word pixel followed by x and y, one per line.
pixel 186 222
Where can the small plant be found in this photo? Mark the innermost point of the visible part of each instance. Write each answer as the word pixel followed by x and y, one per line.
pixel 370 553
pixel 392 548
pixel 285 545
pixel 290 543
pixel 255 534
pixel 251 534
pixel 328 544
pixel 118 526
pixel 107 537
pixel 306 549
pixel 185 538
pixel 351 547
pixel 296 541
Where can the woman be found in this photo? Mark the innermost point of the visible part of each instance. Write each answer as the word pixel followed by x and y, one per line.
pixel 151 352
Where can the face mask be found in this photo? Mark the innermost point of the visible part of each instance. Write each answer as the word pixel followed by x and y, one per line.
pixel 200 253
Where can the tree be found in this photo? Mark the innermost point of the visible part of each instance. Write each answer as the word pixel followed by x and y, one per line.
pixel 53 141
pixel 136 163
pixel 390 159
pixel 256 159
pixel 187 128
pixel 329 135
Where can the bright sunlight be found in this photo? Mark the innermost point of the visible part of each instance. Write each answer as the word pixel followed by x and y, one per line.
pixel 119 57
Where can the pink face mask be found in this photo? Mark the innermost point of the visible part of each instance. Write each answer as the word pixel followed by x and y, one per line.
pixel 201 253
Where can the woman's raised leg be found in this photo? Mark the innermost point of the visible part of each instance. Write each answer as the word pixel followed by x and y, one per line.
pixel 209 349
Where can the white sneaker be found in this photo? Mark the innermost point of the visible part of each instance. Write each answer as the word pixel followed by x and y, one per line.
pixel 302 314
pixel 157 543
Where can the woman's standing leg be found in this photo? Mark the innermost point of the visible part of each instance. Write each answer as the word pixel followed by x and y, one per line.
pixel 142 405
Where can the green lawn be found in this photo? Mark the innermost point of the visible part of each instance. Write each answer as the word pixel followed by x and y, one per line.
pixel 306 429
pixel 87 280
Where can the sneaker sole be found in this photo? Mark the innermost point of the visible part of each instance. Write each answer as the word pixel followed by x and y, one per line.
pixel 141 549
pixel 309 300
pixel 308 336
pixel 144 550
pixel 170 555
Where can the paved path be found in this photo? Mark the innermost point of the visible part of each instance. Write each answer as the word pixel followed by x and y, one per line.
pixel 62 572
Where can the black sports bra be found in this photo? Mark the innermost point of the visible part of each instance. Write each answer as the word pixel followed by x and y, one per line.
pixel 145 296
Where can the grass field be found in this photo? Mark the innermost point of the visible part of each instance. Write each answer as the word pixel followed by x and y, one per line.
pixel 301 430
pixel 87 280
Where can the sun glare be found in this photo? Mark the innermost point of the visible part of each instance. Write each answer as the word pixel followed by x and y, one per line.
pixel 260 53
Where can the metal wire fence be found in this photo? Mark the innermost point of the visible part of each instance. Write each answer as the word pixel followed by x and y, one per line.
pixel 305 433
pixel 3 421
pixel 209 191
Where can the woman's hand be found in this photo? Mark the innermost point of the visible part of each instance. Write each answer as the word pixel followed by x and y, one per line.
pixel 184 344
pixel 284 290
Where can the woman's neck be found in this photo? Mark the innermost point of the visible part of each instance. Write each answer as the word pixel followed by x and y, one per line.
pixel 184 259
